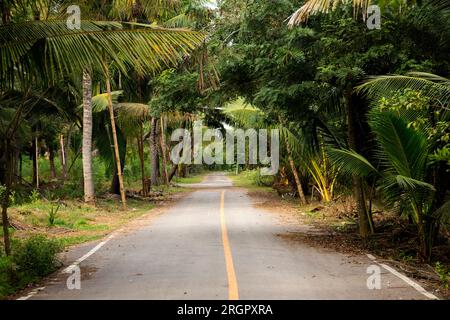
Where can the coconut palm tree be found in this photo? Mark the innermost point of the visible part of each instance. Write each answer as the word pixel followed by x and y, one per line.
pixel 43 51
pixel 89 195
pixel 403 154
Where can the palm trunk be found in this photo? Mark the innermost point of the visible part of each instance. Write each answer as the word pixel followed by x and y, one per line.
pixel 424 247
pixel 5 198
pixel 154 152
pixel 36 161
pixel 140 141
pixel 295 173
pixel 51 158
pixel 298 183
pixel 89 195
pixel 163 152
pixel 63 157
pixel 116 143
pixel 365 220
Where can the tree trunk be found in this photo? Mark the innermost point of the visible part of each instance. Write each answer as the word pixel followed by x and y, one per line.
pixel 298 183
pixel 140 141
pixel 365 220
pixel 5 197
pixel 36 162
pixel 51 158
pixel 115 185
pixel 20 168
pixel 163 152
pixel 63 158
pixel 116 143
pixel 154 152
pixel 424 254
pixel 89 195
pixel 295 173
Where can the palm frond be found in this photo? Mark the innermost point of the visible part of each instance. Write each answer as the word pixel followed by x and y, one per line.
pixel 434 86
pixel 351 162
pixel 404 150
pixel 50 48
pixel 408 183
pixel 100 101
pixel 312 7
pixel 132 115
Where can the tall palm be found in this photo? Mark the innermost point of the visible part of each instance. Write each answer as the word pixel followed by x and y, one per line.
pixel 89 195
pixel 43 51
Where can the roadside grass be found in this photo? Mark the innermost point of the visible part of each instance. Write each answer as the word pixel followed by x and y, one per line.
pixel 194 178
pixel 74 222
pixel 250 179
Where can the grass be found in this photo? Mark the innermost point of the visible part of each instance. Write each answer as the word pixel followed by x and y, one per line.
pixel 75 222
pixel 196 178
pixel 249 180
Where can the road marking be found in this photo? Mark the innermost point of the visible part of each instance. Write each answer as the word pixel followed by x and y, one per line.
pixel 32 293
pixel 233 293
pixel 412 283
pixel 87 255
pixel 73 265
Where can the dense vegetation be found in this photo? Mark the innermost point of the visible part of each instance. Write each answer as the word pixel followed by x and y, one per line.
pixel 361 111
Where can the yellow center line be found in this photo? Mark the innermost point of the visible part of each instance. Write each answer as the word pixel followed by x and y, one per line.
pixel 233 293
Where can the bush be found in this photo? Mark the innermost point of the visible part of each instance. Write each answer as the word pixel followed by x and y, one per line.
pixel 31 259
pixel 36 256
pixel 257 179
pixel 8 276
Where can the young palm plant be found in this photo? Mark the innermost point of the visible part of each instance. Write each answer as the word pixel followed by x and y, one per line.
pixel 401 173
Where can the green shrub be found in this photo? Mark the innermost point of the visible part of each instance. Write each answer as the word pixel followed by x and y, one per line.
pixel 8 276
pixel 36 256
pixel 257 179
pixel 31 259
pixel 444 274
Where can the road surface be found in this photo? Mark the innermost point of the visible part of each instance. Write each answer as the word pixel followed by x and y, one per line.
pixel 214 244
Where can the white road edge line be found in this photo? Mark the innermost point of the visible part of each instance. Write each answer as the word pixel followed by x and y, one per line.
pixel 410 282
pixel 73 265
pixel 87 255
pixel 32 293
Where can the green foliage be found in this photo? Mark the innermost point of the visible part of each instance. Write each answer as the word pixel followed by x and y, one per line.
pixel 34 196
pixel 444 274
pixel 36 256
pixel 255 178
pixel 52 214
pixel 32 259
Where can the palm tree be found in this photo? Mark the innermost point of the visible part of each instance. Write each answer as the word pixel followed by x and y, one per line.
pixel 89 195
pixel 132 117
pixel 403 153
pixel 42 51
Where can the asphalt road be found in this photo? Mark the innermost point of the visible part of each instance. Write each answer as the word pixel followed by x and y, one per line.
pixel 214 244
